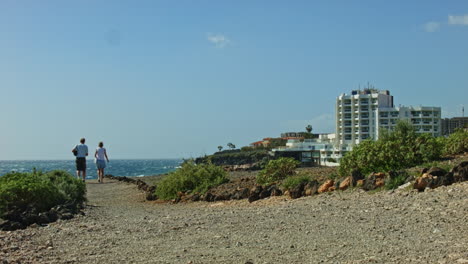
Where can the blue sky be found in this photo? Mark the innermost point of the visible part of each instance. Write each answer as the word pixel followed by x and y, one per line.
pixel 175 79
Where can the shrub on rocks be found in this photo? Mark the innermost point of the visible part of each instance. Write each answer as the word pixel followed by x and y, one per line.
pixel 293 181
pixel 395 179
pixel 190 178
pixel 395 150
pixel 456 143
pixel 27 198
pixel 277 170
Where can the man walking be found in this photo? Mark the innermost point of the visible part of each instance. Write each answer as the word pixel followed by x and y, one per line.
pixel 81 151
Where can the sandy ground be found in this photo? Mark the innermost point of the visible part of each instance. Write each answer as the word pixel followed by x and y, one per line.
pixel 119 226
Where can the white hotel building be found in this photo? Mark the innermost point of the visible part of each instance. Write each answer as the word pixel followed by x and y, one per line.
pixel 362 115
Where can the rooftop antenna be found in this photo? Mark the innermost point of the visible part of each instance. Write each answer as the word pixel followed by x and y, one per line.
pixel 463 111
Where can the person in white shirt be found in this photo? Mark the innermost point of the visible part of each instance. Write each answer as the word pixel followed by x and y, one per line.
pixel 81 151
pixel 101 157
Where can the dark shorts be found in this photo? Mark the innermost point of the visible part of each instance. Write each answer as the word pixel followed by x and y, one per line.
pixel 80 164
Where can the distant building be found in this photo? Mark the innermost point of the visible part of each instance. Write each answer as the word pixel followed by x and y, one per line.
pixel 449 125
pixel 363 114
pixel 359 116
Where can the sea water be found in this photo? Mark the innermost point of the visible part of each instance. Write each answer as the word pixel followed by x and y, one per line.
pixel 124 167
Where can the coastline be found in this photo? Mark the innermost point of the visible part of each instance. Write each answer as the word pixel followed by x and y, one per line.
pixel 353 226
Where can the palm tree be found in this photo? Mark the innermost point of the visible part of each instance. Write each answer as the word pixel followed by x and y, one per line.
pixel 220 148
pixel 308 128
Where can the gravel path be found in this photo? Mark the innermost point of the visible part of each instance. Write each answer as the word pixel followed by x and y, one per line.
pixel 342 227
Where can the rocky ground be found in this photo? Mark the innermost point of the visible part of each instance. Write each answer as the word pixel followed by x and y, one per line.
pixel 120 226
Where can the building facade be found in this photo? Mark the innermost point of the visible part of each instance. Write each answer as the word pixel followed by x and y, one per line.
pixel 364 114
pixel 449 125
pixel 359 116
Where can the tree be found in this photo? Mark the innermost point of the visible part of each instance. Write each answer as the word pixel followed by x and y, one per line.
pixel 230 145
pixel 308 128
pixel 220 148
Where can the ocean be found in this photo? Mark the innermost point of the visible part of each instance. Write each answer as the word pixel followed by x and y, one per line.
pixel 124 167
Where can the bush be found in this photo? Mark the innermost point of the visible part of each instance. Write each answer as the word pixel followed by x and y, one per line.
pixel 397 180
pixel 277 170
pixel 39 191
pixel 73 190
pixel 395 150
pixel 456 143
pixel 234 157
pixel 190 178
pixel 293 181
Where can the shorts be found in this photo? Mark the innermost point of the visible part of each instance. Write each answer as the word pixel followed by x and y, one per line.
pixel 100 164
pixel 81 164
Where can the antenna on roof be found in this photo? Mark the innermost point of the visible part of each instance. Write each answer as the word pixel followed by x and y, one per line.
pixel 463 111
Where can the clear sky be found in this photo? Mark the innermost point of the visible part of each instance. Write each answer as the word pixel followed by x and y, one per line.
pixel 175 79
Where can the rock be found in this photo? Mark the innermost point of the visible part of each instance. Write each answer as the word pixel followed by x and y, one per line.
pixel 360 183
pixel 254 194
pixel 356 175
pixel 374 181
pixel 345 183
pixel 423 182
pixel 311 188
pixel 151 196
pixel 297 191
pixel 436 171
pixel 324 187
pixel 241 194
pixel 275 190
pixel 208 197
pixel 460 172
pixel 266 192
pixel 195 197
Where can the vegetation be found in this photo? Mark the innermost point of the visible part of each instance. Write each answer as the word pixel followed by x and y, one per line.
pixel 276 142
pixel 456 143
pixel 231 146
pixel 235 157
pixel 395 181
pixel 190 178
pixel 309 129
pixel 395 150
pixel 220 148
pixel 277 170
pixel 293 181
pixel 39 191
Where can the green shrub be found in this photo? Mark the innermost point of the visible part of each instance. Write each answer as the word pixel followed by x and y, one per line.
pixel 234 157
pixel 277 170
pixel 72 189
pixel 190 178
pixel 456 143
pixel 293 181
pixel 393 183
pixel 37 190
pixel 395 150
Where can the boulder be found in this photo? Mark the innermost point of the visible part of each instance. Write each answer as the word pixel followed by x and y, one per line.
pixel 356 175
pixel 324 187
pixel 208 197
pixel 436 171
pixel 423 182
pixel 254 194
pixel 346 183
pixel 241 194
pixel 360 183
pixel 460 172
pixel 374 181
pixel 297 191
pixel 311 188
pixel 275 190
